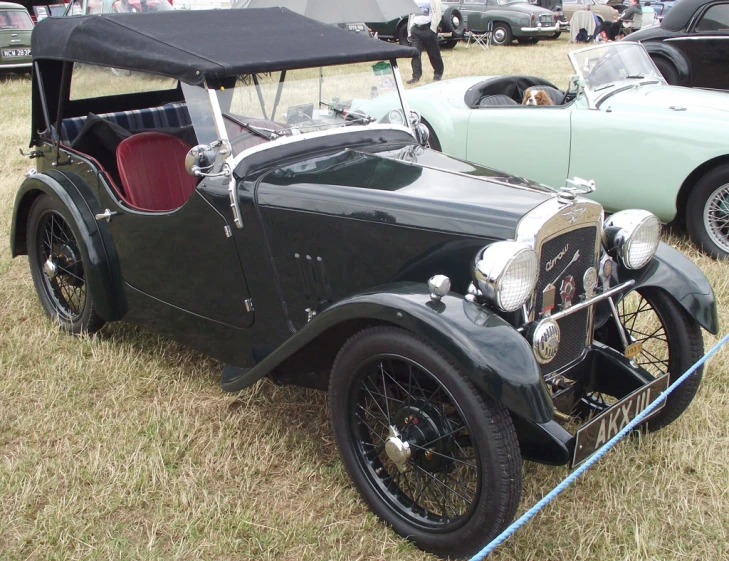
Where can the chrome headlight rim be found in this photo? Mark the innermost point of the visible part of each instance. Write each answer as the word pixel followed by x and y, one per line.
pixel 494 265
pixel 625 230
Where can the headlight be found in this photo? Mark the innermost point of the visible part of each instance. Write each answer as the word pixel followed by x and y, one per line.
pixel 633 235
pixel 506 274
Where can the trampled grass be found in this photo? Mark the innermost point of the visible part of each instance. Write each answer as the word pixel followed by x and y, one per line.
pixel 122 446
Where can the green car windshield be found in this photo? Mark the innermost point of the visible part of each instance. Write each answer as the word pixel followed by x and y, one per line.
pixel 270 106
pixel 608 68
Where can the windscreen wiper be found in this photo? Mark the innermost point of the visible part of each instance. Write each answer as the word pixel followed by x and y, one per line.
pixel 354 116
pixel 268 134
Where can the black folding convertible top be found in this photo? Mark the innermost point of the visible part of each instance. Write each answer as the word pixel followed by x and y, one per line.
pixel 193 46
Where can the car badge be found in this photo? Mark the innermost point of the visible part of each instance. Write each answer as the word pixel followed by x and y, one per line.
pixel 589 281
pixel 567 291
pixel 633 350
pixel 548 297
pixel 552 262
pixel 573 214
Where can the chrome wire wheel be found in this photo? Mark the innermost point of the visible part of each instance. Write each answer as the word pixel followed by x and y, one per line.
pixel 59 258
pixel 716 217
pixel 414 442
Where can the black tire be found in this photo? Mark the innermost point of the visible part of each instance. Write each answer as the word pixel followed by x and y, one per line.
pixel 501 34
pixel 433 142
pixel 482 461
pixel 671 343
pixel 554 35
pixel 402 34
pixel 527 40
pixel 669 71
pixel 57 265
pixel 452 22
pixel 449 44
pixel 707 213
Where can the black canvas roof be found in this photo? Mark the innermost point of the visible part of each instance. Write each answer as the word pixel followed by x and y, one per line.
pixel 193 45
pixel 680 14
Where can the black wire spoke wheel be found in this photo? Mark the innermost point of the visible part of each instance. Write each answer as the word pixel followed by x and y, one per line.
pixel 63 271
pixel 57 267
pixel 664 341
pixel 432 456
pixel 413 441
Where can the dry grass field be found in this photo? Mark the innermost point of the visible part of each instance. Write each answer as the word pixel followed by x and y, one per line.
pixel 122 445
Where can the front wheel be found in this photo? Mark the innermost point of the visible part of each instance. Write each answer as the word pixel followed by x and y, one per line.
pixel 58 268
pixel 433 457
pixel 527 40
pixel 707 213
pixel 670 343
pixel 501 34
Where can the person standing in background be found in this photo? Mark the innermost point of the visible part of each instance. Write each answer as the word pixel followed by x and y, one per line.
pixel 423 31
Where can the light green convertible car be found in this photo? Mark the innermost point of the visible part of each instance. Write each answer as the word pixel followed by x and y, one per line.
pixel 644 143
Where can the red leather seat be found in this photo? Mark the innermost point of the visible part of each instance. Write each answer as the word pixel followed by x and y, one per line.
pixel 152 171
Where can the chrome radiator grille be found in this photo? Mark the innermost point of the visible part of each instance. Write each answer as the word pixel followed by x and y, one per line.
pixel 567 256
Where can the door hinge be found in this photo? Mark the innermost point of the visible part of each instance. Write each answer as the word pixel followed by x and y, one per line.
pixel 248 302
pixel 228 231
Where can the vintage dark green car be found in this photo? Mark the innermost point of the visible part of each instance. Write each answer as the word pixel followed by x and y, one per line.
pixel 276 207
pixel 508 19
pixel 15 29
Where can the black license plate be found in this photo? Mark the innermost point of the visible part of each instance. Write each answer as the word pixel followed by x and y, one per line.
pixel 15 53
pixel 593 435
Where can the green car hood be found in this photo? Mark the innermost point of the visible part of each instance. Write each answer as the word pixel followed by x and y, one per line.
pixel 411 187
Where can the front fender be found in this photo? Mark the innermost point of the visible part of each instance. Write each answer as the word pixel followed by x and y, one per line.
pixel 103 274
pixel 675 273
pixel 495 357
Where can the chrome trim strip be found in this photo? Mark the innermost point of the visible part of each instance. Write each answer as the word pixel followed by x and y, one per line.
pixel 585 303
pixel 698 38
pixel 537 29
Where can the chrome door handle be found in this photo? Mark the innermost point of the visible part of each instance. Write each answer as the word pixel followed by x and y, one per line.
pixel 106 215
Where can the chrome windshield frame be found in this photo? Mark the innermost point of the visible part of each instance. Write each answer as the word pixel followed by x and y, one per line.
pixel 595 98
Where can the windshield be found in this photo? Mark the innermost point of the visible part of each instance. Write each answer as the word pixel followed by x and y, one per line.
pixel 15 19
pixel 616 65
pixel 258 108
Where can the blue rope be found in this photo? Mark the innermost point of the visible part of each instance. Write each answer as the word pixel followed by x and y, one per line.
pixel 529 514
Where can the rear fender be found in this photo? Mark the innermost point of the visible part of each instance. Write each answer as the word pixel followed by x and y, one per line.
pixel 495 357
pixel 103 274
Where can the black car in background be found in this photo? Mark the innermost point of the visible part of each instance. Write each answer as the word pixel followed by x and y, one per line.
pixel 691 45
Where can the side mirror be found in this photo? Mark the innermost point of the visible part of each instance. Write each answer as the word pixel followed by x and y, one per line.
pixel 422 134
pixel 200 160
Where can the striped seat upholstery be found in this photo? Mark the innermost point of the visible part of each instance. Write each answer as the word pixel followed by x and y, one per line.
pixel 166 116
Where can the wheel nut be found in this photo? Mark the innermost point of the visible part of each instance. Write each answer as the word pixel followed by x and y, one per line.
pixel 429 454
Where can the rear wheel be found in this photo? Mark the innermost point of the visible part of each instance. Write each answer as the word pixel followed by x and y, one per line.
pixel 57 266
pixel 668 70
pixel 501 34
pixel 527 40
pixel 452 22
pixel 707 213
pixel 670 343
pixel 433 457
pixel 450 44
pixel 402 34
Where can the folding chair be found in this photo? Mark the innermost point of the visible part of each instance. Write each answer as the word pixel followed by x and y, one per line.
pixel 481 38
